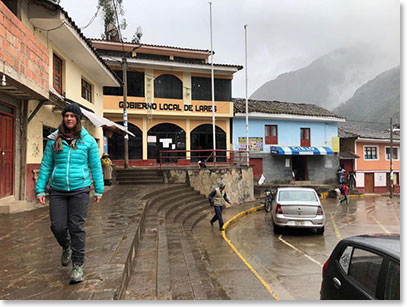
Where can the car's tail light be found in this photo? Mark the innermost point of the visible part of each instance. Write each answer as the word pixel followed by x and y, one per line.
pixel 324 267
pixel 320 212
pixel 279 210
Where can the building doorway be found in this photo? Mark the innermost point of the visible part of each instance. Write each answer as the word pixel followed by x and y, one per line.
pixel 116 144
pixel 202 139
pixel 6 150
pixel 299 167
pixel 166 137
pixel 369 182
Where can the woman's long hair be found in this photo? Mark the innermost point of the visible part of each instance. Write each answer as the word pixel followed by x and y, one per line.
pixel 63 130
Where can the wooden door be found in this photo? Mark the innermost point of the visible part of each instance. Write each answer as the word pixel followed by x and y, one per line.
pixel 369 182
pixel 305 137
pixel 6 155
pixel 257 165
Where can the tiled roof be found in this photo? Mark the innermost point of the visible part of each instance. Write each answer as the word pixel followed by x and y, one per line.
pixel 350 130
pixel 152 45
pixel 278 107
pixel 88 42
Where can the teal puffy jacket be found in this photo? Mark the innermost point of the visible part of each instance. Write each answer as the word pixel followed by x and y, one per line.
pixel 69 168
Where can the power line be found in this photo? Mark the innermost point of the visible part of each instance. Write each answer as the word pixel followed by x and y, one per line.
pixel 92 19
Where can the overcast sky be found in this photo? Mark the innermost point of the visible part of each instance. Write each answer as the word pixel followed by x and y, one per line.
pixel 283 35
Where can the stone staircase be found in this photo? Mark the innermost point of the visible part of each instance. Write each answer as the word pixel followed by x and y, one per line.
pixel 168 263
pixel 137 176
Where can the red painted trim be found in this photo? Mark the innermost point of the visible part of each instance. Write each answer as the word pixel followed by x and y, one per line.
pixel 30 182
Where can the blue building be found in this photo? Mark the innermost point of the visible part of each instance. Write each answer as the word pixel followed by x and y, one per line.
pixel 288 139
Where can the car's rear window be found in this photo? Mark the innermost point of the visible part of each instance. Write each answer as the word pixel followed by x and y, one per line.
pixel 297 196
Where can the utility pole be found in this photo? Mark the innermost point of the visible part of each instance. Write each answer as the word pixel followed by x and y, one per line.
pixel 213 88
pixel 391 157
pixel 126 136
pixel 247 107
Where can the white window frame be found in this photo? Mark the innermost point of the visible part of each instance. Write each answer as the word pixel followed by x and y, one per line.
pixel 398 153
pixel 377 150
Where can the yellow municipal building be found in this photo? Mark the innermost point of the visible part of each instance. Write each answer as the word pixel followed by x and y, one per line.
pixel 169 101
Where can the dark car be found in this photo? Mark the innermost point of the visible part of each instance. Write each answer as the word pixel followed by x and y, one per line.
pixel 363 267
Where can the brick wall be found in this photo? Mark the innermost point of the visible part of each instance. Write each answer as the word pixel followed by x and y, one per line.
pixel 21 50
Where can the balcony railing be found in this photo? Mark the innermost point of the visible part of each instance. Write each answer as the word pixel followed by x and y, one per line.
pixel 209 157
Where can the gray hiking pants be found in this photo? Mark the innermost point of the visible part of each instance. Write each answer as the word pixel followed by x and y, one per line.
pixel 68 211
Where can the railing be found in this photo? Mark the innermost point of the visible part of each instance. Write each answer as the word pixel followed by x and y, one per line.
pixel 209 157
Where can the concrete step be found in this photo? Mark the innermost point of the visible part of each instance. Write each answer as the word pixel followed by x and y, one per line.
pixel 171 206
pixel 120 172
pixel 167 188
pixel 139 179
pixel 179 272
pixel 150 181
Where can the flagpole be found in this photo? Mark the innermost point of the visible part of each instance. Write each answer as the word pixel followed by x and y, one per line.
pixel 213 88
pixel 247 103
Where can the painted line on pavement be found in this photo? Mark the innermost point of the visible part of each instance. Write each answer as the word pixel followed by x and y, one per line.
pixel 232 220
pixel 338 234
pixel 381 225
pixel 280 237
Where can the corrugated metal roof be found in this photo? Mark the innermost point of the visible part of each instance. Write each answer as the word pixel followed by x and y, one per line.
pixel 88 42
pixel 279 107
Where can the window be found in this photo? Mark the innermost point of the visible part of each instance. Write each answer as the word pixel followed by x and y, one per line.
pixel 365 268
pixel 57 82
pixel 135 84
pixel 395 153
pixel 392 291
pixel 167 86
pixel 370 152
pixel 45 132
pixel 271 134
pixel 344 261
pixel 202 89
pixel 86 90
pixel 305 137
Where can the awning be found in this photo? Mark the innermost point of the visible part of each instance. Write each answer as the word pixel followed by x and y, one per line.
pixel 297 150
pixel 347 155
pixel 99 121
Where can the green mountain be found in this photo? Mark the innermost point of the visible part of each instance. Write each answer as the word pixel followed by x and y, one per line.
pixel 328 81
pixel 375 102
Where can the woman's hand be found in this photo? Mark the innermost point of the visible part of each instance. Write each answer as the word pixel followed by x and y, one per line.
pixel 41 199
pixel 97 199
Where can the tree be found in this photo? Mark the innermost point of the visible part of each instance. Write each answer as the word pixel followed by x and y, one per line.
pixel 109 15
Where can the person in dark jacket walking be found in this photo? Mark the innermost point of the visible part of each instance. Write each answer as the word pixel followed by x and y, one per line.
pixel 217 198
pixel 69 152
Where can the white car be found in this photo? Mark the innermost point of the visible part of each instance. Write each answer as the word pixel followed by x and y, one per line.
pixel 297 208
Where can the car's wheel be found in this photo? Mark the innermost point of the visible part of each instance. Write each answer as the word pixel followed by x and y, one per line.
pixel 320 231
pixel 267 205
pixel 277 229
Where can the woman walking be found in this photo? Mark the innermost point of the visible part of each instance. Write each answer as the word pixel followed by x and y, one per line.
pixel 67 155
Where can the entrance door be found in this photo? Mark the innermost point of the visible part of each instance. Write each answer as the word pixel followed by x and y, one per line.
pixel 369 182
pixel 6 154
pixel 257 165
pixel 300 168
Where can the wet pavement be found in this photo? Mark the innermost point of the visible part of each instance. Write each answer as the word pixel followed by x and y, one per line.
pixel 291 263
pixel 195 253
pixel 30 256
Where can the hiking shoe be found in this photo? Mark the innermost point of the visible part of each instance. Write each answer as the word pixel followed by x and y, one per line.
pixel 66 256
pixel 77 274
